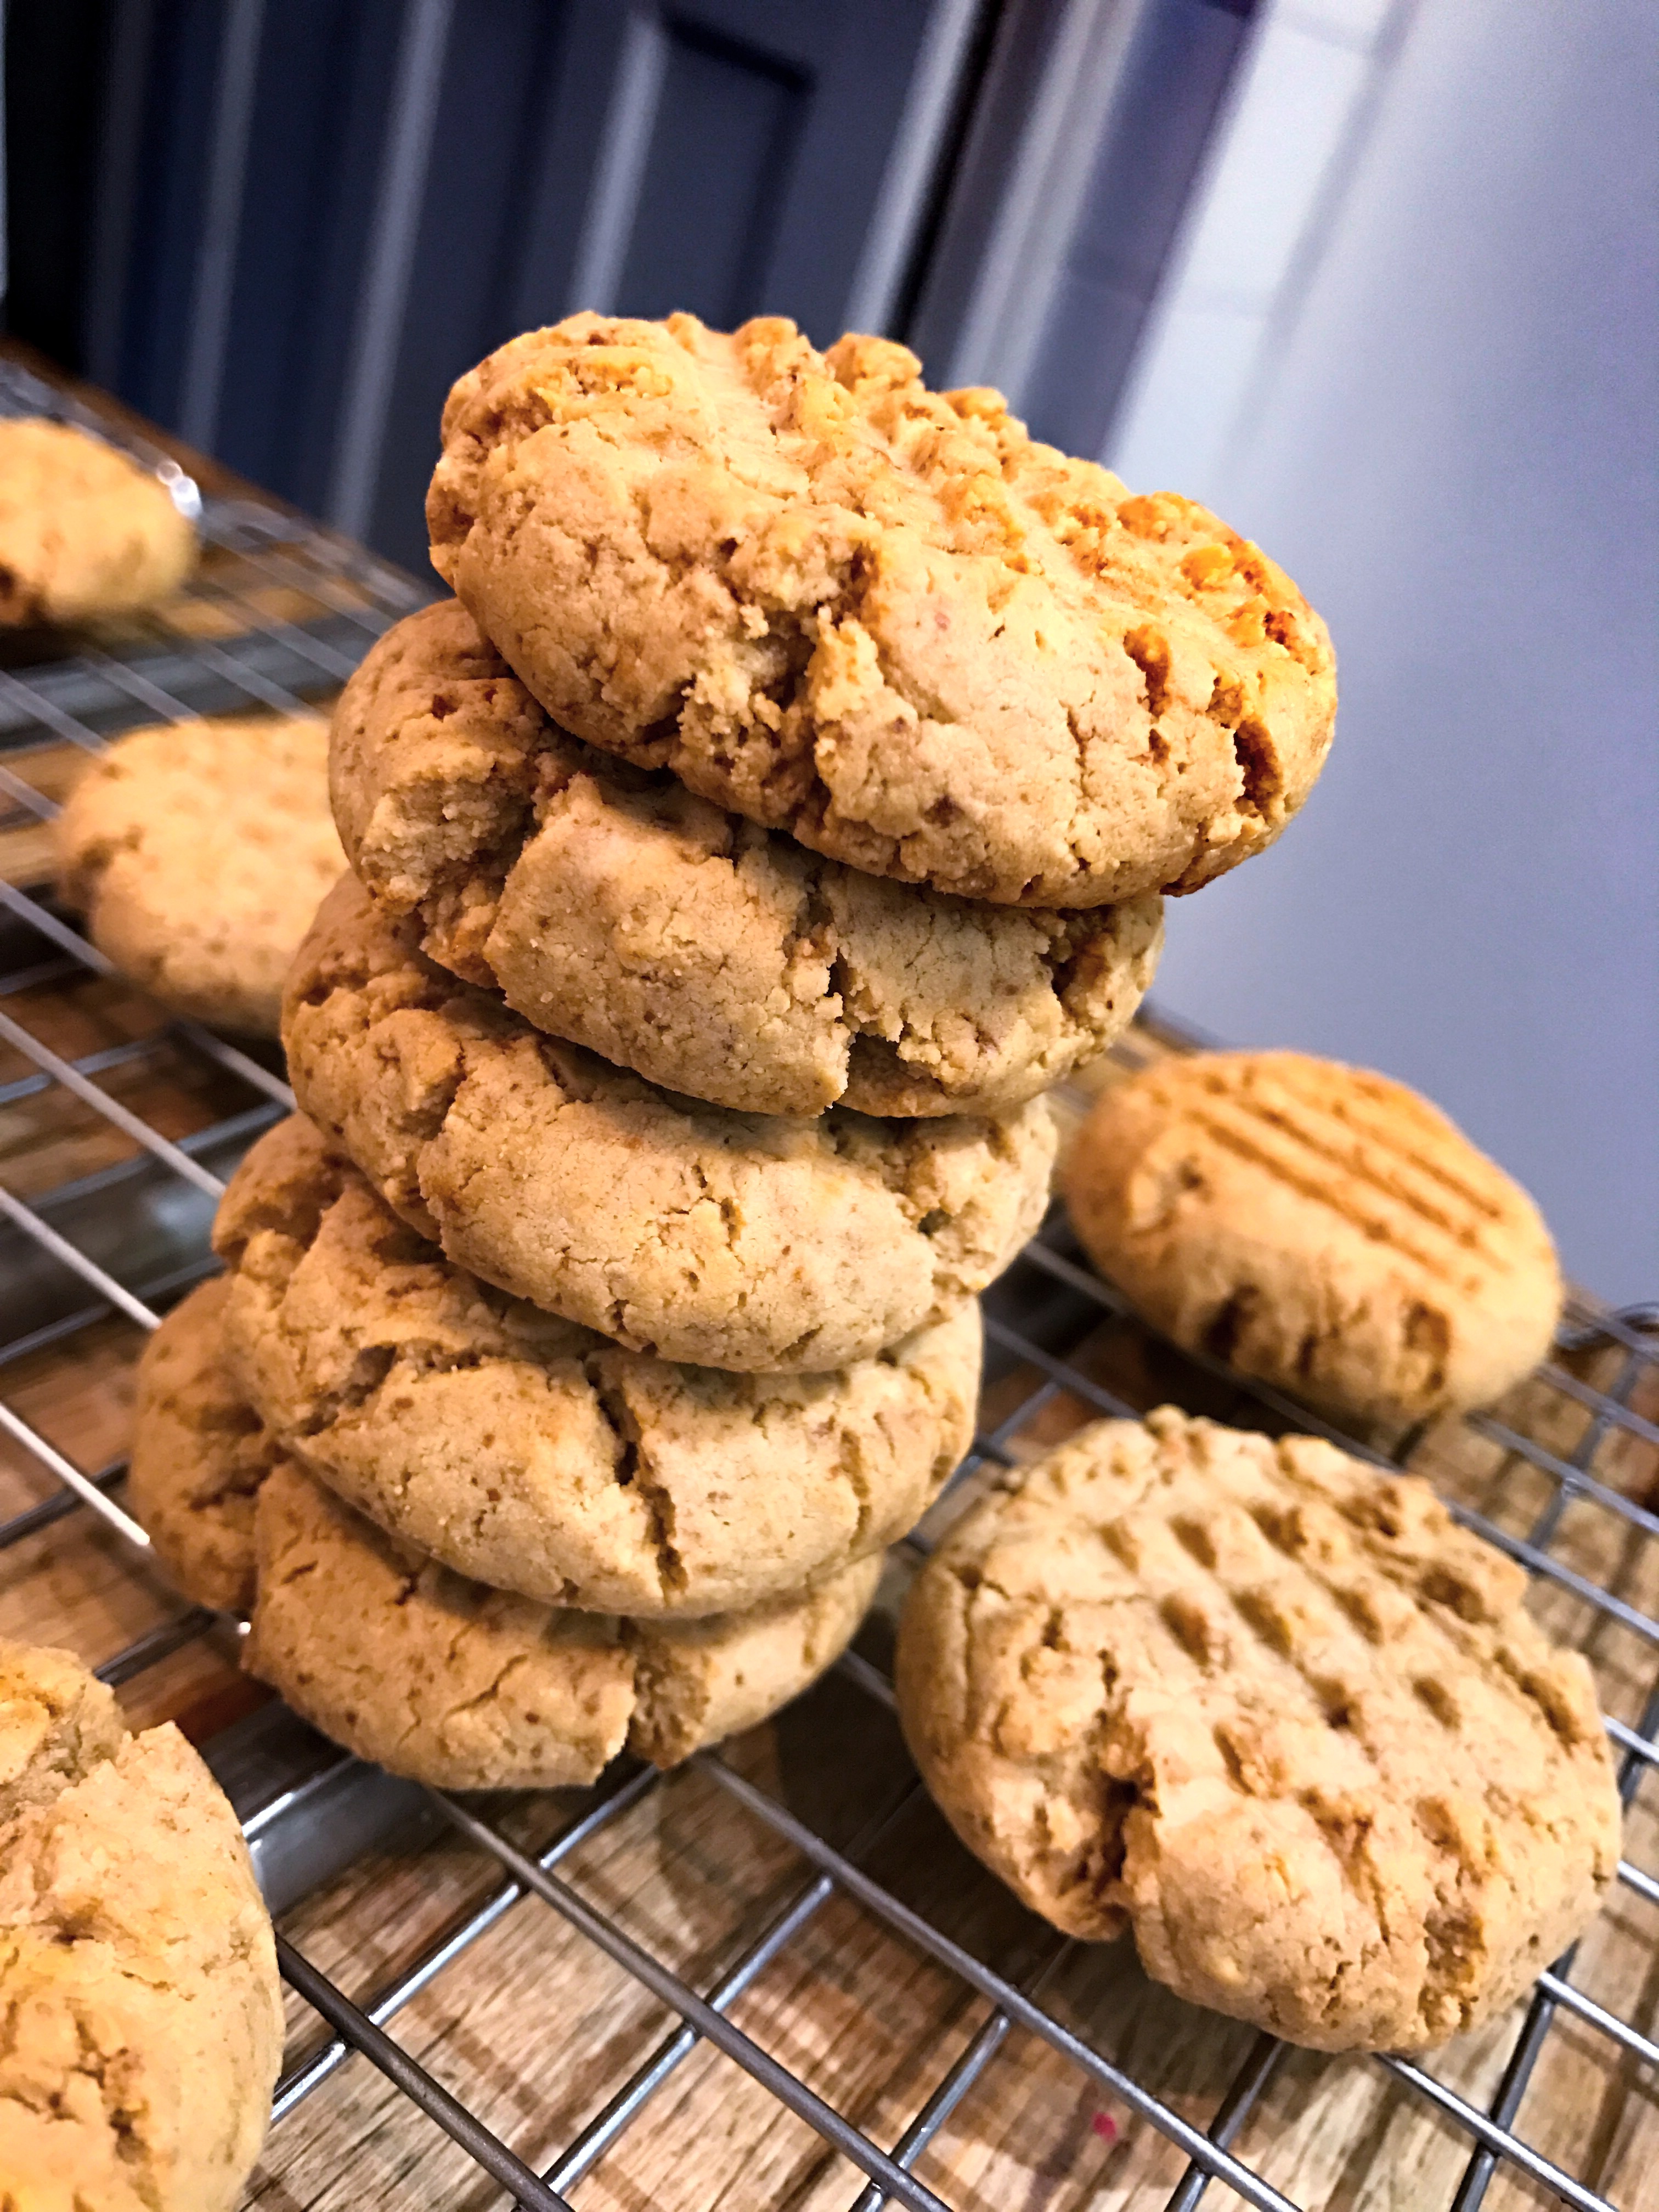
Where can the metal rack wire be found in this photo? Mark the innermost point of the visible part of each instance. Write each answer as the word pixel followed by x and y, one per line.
pixel 287 611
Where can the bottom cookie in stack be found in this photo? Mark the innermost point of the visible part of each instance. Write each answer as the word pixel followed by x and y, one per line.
pixel 419 1669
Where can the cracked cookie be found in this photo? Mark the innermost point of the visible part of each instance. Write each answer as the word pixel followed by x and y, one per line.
pixel 198 852
pixel 465 1687
pixel 85 530
pixel 730 1240
pixel 880 618
pixel 1274 1711
pixel 1318 1226
pixel 138 1975
pixel 527 1453
pixel 614 907
pixel 199 1455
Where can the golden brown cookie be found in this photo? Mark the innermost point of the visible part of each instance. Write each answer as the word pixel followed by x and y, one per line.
pixel 85 530
pixel 615 908
pixel 464 1687
pixel 1318 1226
pixel 199 1455
pixel 198 852
pixel 57 1722
pixel 405 1663
pixel 137 1974
pixel 731 1240
pixel 527 1453
pixel 1273 1709
pixel 878 617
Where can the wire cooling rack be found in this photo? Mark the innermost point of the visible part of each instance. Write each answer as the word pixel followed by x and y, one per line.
pixel 893 2030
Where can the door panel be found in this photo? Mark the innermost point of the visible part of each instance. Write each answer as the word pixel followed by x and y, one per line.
pixel 725 142
pixel 725 156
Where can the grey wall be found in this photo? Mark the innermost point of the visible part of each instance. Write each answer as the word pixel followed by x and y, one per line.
pixel 1437 409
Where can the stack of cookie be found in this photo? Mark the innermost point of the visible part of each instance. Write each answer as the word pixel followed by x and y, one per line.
pixel 784 802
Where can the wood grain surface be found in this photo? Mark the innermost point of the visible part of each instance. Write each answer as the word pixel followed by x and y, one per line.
pixel 536 2029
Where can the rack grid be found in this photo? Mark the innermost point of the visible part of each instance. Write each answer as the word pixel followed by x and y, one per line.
pixel 118 1128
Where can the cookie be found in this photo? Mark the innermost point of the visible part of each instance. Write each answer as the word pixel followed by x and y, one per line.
pixel 529 1454
pixel 615 908
pixel 405 1663
pixel 468 1688
pixel 198 852
pixel 880 618
pixel 137 1974
pixel 199 1455
pixel 85 530
pixel 1317 1226
pixel 1275 1711
pixel 730 1240
pixel 57 1722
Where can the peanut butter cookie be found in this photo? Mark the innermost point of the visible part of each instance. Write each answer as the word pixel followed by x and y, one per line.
pixel 1318 1226
pixel 731 1240
pixel 878 617
pixel 198 852
pixel 199 1455
pixel 469 1688
pixel 85 530
pixel 137 1974
pixel 1275 1711
pixel 527 1453
pixel 615 908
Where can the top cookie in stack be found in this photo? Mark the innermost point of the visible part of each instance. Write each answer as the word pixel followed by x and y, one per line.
pixel 802 764
pixel 880 618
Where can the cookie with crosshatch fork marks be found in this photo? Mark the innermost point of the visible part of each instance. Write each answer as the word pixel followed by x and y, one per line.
pixel 1275 1711
pixel 1318 1226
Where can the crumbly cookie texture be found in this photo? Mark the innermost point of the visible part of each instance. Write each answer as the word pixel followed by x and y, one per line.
pixel 465 1687
pixel 529 1454
pixel 1275 1711
pixel 1318 1226
pixel 731 1240
pixel 84 529
pixel 56 1723
pixel 616 909
pixel 198 852
pixel 200 1454
pixel 137 1974
pixel 881 618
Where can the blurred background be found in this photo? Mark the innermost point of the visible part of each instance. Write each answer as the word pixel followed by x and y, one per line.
pixel 1375 278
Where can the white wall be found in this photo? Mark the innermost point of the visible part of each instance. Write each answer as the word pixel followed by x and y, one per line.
pixel 1411 345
